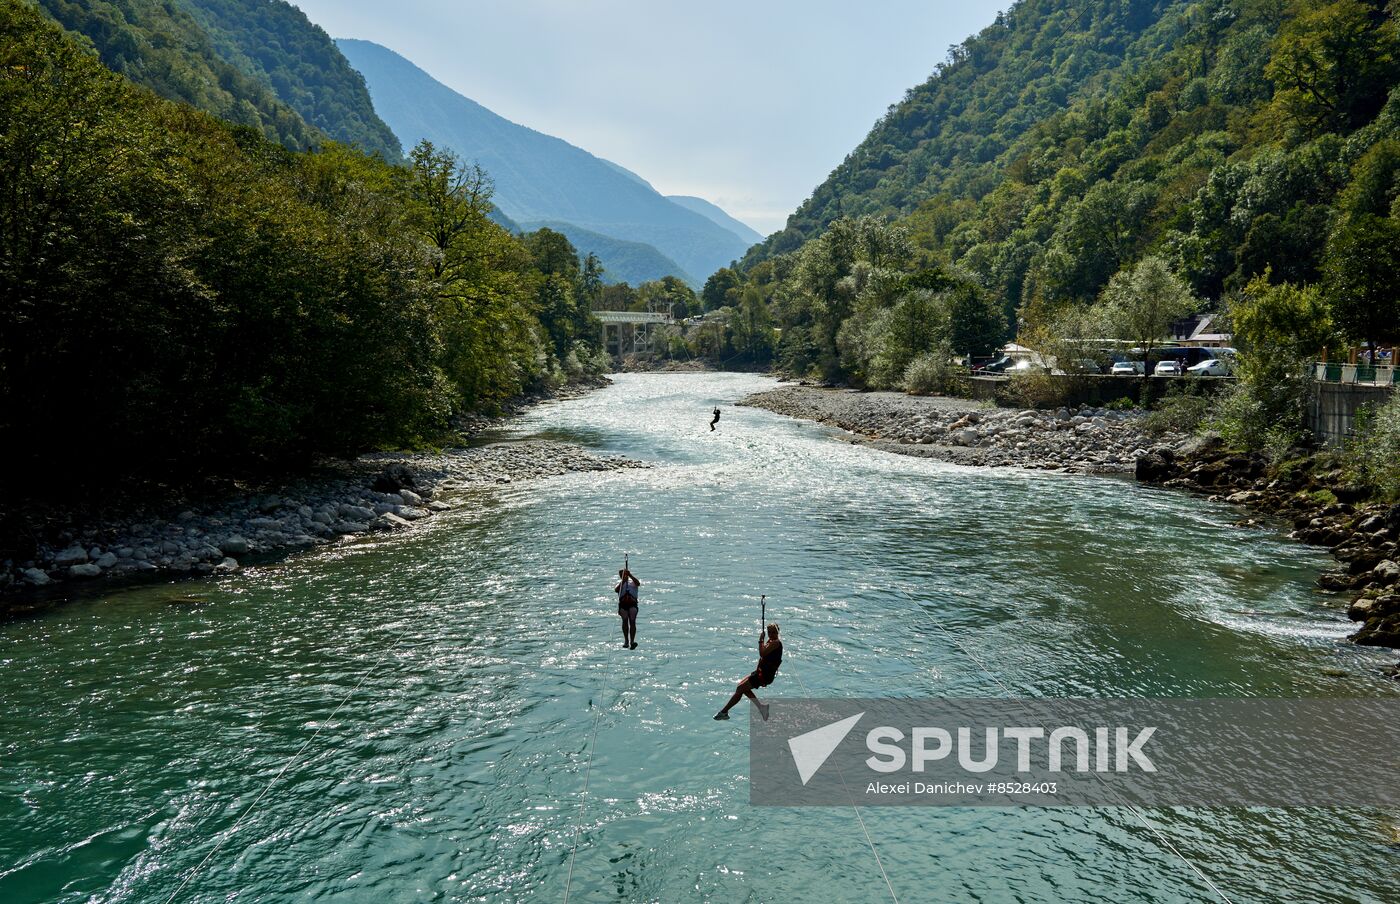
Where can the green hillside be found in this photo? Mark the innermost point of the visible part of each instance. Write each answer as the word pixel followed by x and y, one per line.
pixel 274 42
pixel 1071 140
pixel 950 134
pixel 158 44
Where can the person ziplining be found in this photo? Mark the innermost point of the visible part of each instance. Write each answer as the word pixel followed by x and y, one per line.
pixel 770 656
pixel 714 421
pixel 626 590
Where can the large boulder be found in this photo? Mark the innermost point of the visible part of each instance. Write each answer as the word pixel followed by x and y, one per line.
pixel 73 555
pixel 234 546
pixel 394 478
pixel 36 576
pixel 1152 468
pixel 85 570
pixel 389 521
pixel 1202 444
pixel 356 513
pixel 1383 631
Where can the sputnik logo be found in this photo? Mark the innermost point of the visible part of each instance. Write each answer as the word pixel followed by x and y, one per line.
pixel 811 749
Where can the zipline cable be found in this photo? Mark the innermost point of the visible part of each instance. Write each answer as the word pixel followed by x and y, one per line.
pixel 592 745
pixel 850 797
pixel 1142 817
pixel 280 772
pixel 587 774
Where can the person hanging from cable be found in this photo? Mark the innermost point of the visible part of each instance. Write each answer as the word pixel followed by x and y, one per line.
pixel 626 590
pixel 714 421
pixel 770 656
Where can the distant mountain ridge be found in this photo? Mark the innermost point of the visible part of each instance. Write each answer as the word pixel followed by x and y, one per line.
pixel 623 261
pixel 717 214
pixel 540 178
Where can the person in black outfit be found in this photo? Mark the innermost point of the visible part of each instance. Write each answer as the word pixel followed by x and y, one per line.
pixel 626 590
pixel 715 421
pixel 770 656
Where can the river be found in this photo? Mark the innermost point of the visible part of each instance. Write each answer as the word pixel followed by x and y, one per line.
pixel 434 697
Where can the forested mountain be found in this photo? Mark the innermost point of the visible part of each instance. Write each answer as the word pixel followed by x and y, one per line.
pixel 623 261
pixel 201 300
pixel 1220 140
pixel 746 233
pixel 274 42
pixel 539 178
pixel 158 44
pixel 949 134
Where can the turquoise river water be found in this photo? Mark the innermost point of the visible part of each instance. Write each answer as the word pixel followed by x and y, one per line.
pixel 427 703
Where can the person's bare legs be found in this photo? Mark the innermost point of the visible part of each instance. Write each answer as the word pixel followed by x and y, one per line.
pixel 743 690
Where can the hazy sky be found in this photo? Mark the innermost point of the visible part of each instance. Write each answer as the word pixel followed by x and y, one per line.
pixel 748 104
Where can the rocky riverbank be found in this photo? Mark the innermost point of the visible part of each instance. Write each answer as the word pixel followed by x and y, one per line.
pixel 1080 440
pixel 1313 493
pixel 1310 491
pixel 373 493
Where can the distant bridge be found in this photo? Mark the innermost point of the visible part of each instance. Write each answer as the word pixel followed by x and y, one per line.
pixel 629 332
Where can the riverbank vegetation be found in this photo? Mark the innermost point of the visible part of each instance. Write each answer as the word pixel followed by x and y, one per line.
pixel 183 296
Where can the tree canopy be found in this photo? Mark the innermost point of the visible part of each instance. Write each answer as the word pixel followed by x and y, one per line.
pixel 204 300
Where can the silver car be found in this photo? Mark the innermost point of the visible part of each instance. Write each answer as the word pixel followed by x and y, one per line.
pixel 1211 367
pixel 1169 367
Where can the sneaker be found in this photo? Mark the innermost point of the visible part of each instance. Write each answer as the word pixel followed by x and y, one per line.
pixel 722 716
pixel 634 645
pixel 763 710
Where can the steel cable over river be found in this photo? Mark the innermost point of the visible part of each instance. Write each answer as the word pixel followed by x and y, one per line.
pixel 415 715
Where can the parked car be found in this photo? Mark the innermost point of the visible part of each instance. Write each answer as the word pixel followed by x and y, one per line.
pixel 995 367
pixel 1211 367
pixel 1126 368
pixel 1167 367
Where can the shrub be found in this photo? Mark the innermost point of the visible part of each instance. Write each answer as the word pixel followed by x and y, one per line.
pixel 1375 451
pixel 931 373
pixel 1178 413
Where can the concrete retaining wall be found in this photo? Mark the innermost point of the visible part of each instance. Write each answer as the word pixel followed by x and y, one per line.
pixel 1332 412
pixel 1095 389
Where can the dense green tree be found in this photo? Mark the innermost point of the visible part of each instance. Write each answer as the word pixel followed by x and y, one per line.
pixel 721 289
pixel 752 326
pixel 1284 318
pixel 1363 273
pixel 1140 304
pixel 976 324
pixel 1332 66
